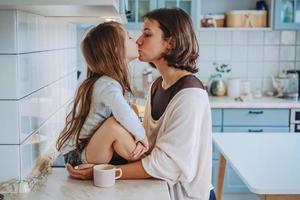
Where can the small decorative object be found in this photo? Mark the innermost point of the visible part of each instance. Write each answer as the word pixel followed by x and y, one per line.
pixel 208 22
pixel 213 20
pixel 261 5
pixel 217 85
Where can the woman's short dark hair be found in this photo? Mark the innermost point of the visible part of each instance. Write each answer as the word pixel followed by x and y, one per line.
pixel 177 25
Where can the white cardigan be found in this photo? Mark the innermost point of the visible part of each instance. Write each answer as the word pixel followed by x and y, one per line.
pixel 181 145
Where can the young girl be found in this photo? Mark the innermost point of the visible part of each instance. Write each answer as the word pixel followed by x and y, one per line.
pixel 91 134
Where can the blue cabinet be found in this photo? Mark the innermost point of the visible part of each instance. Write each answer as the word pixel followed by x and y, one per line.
pixel 138 8
pixel 287 14
pixel 256 117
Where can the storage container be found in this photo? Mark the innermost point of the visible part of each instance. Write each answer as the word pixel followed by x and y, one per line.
pixel 213 20
pixel 246 18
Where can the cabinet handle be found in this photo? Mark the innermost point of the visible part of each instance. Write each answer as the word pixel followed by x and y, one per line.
pixel 255 131
pixel 256 112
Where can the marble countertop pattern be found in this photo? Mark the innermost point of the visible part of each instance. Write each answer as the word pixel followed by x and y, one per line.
pixel 59 186
pixel 264 102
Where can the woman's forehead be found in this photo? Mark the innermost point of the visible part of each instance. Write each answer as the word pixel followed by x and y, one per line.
pixel 150 24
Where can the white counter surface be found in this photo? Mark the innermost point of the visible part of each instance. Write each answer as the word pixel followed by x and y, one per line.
pixel 59 186
pixel 264 102
pixel 268 163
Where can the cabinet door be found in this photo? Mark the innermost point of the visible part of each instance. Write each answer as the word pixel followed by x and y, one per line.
pixel 216 153
pixel 216 117
pixel 186 5
pixel 256 117
pixel 287 14
pixel 138 8
pixel 232 182
pixel 253 129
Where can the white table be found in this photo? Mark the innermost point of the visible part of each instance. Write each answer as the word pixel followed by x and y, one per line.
pixel 268 163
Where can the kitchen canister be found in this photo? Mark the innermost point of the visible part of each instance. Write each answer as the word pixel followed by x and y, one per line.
pixel 245 89
pixel 233 88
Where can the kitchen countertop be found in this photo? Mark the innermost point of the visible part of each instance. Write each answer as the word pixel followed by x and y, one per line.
pixel 229 102
pixel 59 186
pixel 264 102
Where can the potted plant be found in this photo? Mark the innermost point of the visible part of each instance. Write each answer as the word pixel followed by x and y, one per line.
pixel 217 86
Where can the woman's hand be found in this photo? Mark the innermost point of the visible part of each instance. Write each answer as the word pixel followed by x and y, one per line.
pixel 83 171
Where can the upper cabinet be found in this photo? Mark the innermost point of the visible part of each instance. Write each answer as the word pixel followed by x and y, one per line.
pixel 233 14
pixel 287 14
pixel 225 14
pixel 137 8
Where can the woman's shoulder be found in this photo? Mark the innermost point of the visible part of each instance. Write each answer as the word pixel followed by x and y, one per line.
pixel 191 96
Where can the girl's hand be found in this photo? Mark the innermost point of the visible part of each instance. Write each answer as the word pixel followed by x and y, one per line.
pixel 138 151
pixel 83 171
pixel 145 143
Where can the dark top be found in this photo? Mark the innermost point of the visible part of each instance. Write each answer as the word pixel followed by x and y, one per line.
pixel 160 97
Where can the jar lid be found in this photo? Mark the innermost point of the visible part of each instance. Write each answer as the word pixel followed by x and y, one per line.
pixel 253 12
pixel 213 16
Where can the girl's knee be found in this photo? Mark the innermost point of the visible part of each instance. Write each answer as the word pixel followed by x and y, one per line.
pixel 115 127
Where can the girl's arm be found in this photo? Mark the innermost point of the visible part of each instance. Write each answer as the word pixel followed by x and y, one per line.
pixel 111 95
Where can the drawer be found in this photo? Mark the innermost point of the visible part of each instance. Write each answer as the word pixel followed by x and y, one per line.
pixel 250 129
pixel 216 116
pixel 256 117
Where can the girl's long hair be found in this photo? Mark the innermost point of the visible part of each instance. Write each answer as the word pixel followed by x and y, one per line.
pixel 104 51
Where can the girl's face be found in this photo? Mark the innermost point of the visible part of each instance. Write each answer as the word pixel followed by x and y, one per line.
pixel 151 43
pixel 130 47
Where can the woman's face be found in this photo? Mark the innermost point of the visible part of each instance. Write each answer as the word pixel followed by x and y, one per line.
pixel 130 47
pixel 151 43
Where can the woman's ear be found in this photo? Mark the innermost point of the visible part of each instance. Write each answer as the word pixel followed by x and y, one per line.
pixel 170 43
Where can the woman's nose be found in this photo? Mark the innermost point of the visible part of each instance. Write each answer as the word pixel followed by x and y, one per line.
pixel 139 41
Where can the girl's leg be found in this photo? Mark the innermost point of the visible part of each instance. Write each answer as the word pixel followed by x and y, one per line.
pixel 110 137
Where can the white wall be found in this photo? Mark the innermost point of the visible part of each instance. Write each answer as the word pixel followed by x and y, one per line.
pixel 37 80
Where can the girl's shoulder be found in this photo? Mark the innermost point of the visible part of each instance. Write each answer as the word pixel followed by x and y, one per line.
pixel 105 81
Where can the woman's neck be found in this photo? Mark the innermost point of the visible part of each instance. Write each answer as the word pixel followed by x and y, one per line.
pixel 169 74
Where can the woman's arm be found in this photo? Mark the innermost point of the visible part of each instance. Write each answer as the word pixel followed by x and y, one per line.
pixel 134 170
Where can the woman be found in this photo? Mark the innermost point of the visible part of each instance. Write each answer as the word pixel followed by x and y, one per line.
pixel 177 117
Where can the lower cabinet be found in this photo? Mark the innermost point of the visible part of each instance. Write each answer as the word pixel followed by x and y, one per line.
pixel 251 129
pixel 265 120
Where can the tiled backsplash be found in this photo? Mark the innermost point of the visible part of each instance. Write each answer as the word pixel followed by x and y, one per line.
pixel 253 55
pixel 37 81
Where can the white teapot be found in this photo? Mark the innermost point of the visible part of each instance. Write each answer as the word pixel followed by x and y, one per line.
pixel 280 83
